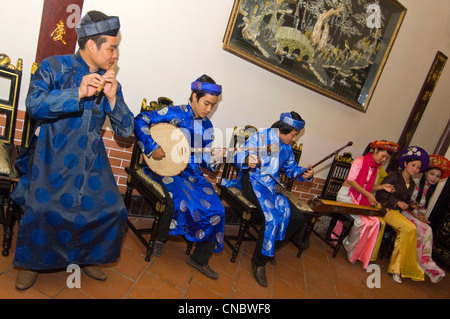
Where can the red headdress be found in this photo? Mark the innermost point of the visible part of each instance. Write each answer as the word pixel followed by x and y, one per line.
pixel 442 163
pixel 386 145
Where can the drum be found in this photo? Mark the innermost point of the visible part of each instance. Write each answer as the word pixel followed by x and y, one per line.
pixel 176 146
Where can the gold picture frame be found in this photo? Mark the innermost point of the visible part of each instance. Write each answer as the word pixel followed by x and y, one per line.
pixel 336 48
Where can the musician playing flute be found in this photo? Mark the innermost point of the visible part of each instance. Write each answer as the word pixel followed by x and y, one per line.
pixel 73 210
pixel 403 264
pixel 194 209
pixel 282 219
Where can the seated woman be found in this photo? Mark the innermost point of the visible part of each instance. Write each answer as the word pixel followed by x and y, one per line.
pixel 357 189
pixel 412 160
pixel 439 168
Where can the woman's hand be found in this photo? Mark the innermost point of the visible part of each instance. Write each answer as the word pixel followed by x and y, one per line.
pixel 402 205
pixel 388 188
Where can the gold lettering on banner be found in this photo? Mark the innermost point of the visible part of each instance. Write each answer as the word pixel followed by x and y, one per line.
pixel 246 215
pixel 58 33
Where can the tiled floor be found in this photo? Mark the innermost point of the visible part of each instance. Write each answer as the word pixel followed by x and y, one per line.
pixel 314 275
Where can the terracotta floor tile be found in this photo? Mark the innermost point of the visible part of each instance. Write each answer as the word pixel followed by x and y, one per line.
pixel 52 283
pixel 198 291
pixel 320 292
pixel 171 270
pixel 115 287
pixel 133 266
pixel 288 289
pixel 223 285
pixel 316 275
pixel 222 261
pixel 8 290
pixel 72 293
pixel 151 287
pixel 315 269
pixel 246 282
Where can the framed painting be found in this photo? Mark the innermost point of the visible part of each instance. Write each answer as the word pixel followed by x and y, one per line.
pixel 10 80
pixel 336 48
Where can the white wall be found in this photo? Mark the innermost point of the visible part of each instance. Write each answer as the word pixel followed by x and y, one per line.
pixel 165 45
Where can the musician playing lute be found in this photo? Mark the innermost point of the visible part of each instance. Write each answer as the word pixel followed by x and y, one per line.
pixel 194 209
pixel 259 171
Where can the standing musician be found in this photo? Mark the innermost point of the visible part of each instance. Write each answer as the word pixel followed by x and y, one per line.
pixel 259 171
pixel 194 209
pixel 73 210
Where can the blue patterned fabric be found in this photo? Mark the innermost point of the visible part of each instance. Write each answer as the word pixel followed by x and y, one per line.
pixel 199 213
pixel 73 211
pixel 287 118
pixel 275 206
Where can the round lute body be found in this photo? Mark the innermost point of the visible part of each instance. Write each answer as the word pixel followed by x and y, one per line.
pixel 176 146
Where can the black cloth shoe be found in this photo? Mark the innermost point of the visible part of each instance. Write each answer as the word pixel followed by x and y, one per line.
pixel 259 272
pixel 204 269
pixel 157 248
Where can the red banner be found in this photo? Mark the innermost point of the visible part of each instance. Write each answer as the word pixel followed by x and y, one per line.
pixel 57 34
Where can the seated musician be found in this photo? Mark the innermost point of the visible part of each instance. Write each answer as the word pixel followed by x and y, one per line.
pixel 260 168
pixel 438 169
pixel 412 160
pixel 357 189
pixel 194 209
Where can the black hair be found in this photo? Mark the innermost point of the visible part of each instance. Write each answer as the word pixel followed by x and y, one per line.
pixel 205 79
pixel 98 40
pixel 412 159
pixel 431 189
pixel 284 127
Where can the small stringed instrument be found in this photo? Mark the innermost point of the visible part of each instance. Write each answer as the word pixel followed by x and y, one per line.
pixel 178 150
pixel 325 206
pixel 279 187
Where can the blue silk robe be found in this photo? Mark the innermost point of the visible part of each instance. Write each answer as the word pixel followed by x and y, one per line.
pixel 73 211
pixel 275 206
pixel 199 213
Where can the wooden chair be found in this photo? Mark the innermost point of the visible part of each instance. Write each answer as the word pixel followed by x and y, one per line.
pixel 387 243
pixel 151 192
pixel 308 214
pixel 337 175
pixel 248 217
pixel 11 78
pixel 238 205
pixel 389 235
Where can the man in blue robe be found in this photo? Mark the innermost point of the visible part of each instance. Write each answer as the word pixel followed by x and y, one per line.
pixel 259 169
pixel 194 209
pixel 73 211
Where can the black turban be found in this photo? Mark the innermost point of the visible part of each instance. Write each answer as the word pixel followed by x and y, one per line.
pixel 97 23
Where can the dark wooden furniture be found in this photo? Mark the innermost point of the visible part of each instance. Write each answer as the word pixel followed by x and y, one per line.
pixel 149 189
pixel 245 212
pixel 440 223
pixel 238 209
pixel 330 207
pixel 340 167
pixel 324 206
pixel 9 211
